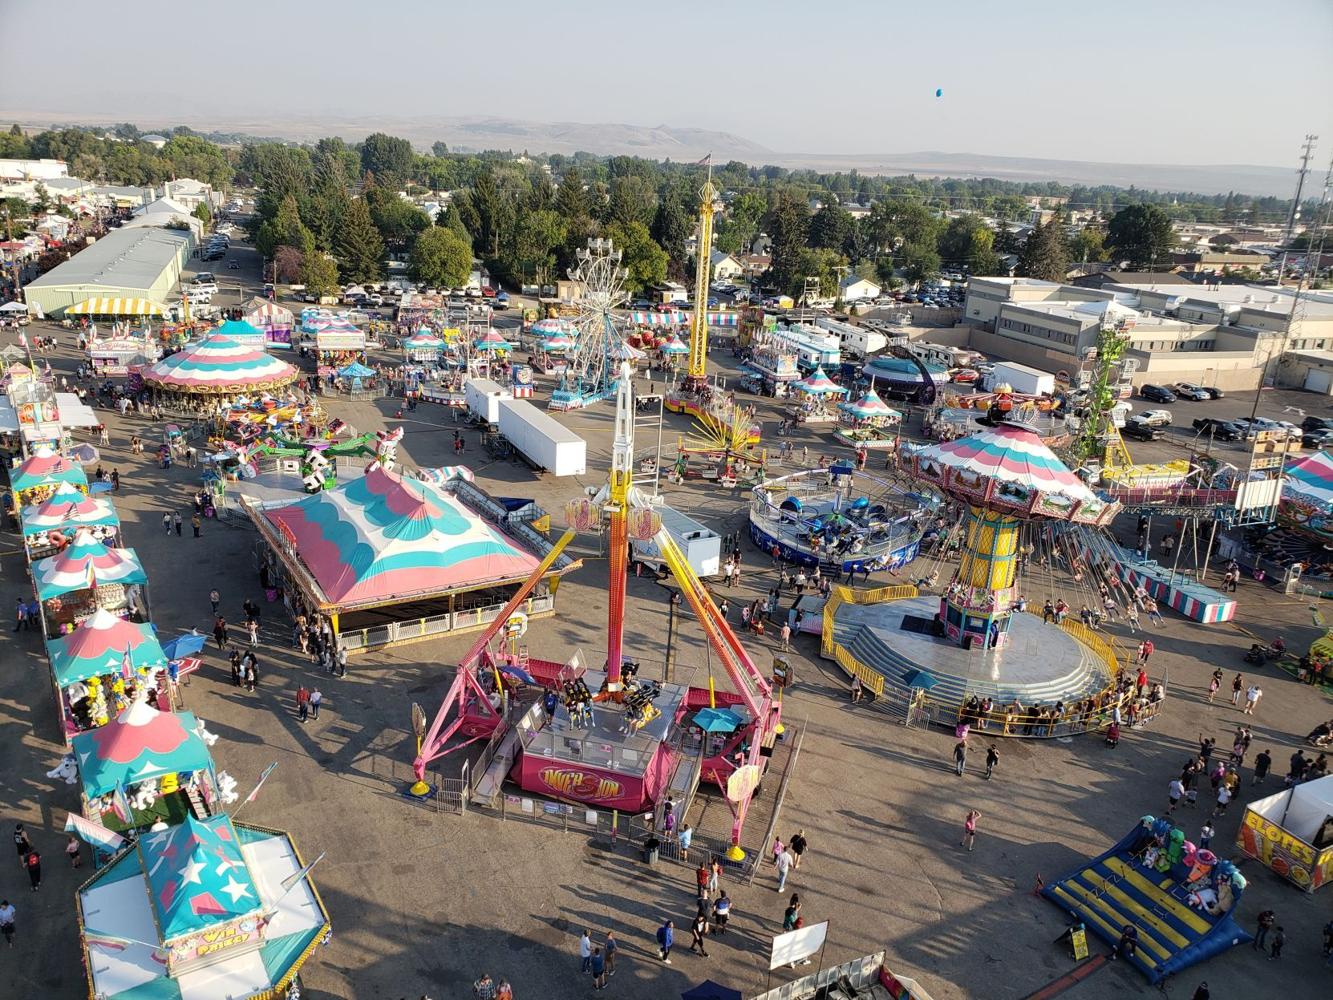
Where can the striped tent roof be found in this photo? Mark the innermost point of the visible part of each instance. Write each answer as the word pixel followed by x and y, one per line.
pixel 382 537
pixel 197 876
pixel 218 364
pixel 117 307
pixel 1312 478
pixel 423 338
pixel 869 405
pixel 68 507
pixel 549 327
pixel 98 647
pixel 43 468
pixel 141 744
pixel 1008 466
pixel 817 383
pixel 84 564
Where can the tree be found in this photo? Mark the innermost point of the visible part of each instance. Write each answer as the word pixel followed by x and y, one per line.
pixel 920 261
pixel 673 223
pixel 288 264
pixel 388 158
pixel 645 261
pixel 285 229
pixel 319 272
pixel 787 226
pixel 571 200
pixel 738 227
pixel 818 263
pixel 202 213
pixel 448 218
pixel 357 244
pixel 441 257
pixel 968 242
pixel 1142 235
pixel 631 199
pixel 830 227
pixel 1046 254
pixel 491 211
pixel 397 220
pixel 1088 246
pixel 439 149
pixel 536 238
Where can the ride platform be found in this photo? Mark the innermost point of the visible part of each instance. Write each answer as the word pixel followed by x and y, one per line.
pixel 1038 664
pixel 1176 591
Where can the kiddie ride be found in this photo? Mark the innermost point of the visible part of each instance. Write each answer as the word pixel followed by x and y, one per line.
pixel 314 459
pixel 606 737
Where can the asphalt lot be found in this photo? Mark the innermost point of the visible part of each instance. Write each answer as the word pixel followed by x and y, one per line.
pixel 423 903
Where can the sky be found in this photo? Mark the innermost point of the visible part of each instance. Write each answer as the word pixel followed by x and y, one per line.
pixel 1135 81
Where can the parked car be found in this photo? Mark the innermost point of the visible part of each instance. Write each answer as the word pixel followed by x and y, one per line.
pixel 203 276
pixel 1317 424
pixel 1188 390
pixel 640 304
pixel 197 287
pixel 1219 430
pixel 501 300
pixel 1157 393
pixel 966 376
pixel 487 292
pixel 1319 440
pixel 1154 418
pixel 1213 392
pixel 1140 431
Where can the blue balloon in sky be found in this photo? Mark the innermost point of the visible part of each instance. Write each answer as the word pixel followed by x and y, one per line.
pixel 939 91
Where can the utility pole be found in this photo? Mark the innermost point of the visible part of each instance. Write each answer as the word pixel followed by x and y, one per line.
pixel 1307 151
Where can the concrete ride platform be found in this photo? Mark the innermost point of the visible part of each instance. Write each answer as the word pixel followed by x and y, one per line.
pixel 1040 663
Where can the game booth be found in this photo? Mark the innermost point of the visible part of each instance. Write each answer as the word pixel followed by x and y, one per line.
pixel 143 767
pixel 423 347
pixel 97 668
pixel 390 559
pixel 276 322
pixel 52 524
pixel 208 909
pixel 117 354
pixel 1291 832
pixel 339 342
pixel 36 479
pixel 87 576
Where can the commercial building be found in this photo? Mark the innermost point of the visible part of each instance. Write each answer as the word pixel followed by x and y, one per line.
pixel 32 170
pixel 130 263
pixel 1223 335
pixel 168 213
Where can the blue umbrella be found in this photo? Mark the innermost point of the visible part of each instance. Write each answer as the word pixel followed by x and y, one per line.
pixel 709 990
pixel 717 720
pixel 919 679
pixel 183 645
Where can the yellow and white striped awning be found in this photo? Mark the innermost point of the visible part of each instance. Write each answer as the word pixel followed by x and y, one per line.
pixel 116 307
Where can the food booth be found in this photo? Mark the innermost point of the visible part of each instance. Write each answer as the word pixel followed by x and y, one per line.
pixel 85 576
pixel 51 525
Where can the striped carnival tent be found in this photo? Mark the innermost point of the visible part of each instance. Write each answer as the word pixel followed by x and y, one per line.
pixel 383 538
pixel 116 307
pixel 1311 478
pixel 217 365
pixel 84 564
pixel 817 383
pixel 69 508
pixel 46 467
pixel 100 645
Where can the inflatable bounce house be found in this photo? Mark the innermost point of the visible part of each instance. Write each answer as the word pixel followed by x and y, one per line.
pixel 1180 899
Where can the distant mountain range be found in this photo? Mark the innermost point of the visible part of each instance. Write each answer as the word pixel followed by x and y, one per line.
pixel 664 142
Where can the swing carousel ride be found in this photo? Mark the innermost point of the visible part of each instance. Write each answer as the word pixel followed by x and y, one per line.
pixel 604 736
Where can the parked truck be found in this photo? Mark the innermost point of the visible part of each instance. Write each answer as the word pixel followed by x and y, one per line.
pixel 701 546
pixel 483 399
pixel 542 442
pixel 1022 379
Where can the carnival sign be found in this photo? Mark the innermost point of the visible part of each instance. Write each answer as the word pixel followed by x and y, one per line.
pixel 586 786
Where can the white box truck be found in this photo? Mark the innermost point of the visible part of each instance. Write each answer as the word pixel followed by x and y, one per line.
pixel 542 442
pixel 1022 379
pixel 701 547
pixel 484 397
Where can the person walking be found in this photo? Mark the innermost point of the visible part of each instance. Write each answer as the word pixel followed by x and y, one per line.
pixel 1145 651
pixel 1265 922
pixel 1174 792
pixel 176 520
pixel 1262 763
pixel 1252 695
pixel 666 937
pixel 960 757
pixel 252 627
pixel 1237 685
pixel 702 877
pixel 251 672
pixel 783 863
pixel 341 661
pixel 33 862
pixel 857 691
pixel 598 966
pixel 166 523
pixel 610 949
pixel 215 599
pixel 220 632
pixel 786 636
pixel 585 951
pixel 1279 939
pixel 792 915
pixel 714 874
pixel 235 658
pixel 316 699
pixel 684 838
pixel 74 851
pixel 302 702
pixel 721 913
pixel 970 829
pixel 697 931
pixel 1206 834
pixel 196 523
pixel 797 845
pixel 22 844
pixel 7 917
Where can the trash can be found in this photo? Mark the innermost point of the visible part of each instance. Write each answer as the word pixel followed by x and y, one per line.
pixel 650 855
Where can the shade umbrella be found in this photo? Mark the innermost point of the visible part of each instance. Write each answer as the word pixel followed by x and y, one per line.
pixel 916 678
pixel 356 370
pixel 184 645
pixel 674 346
pixel 84 454
pixel 709 990
pixel 717 720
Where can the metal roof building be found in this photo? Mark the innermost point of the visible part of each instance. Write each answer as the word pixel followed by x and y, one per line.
pixel 131 263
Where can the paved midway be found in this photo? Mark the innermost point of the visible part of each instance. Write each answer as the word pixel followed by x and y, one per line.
pixel 424 903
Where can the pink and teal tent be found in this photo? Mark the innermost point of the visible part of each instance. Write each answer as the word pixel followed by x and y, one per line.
pixel 242 332
pixel 45 468
pixel 86 563
pixel 141 744
pixel 69 508
pixel 197 876
pixel 817 383
pixel 870 406
pixel 216 364
pixel 382 538
pixel 550 327
pixel 1311 480
pixel 97 647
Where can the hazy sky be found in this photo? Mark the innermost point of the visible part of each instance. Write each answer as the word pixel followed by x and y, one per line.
pixel 1140 81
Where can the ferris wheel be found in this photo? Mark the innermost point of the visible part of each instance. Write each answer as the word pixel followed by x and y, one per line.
pixel 601 346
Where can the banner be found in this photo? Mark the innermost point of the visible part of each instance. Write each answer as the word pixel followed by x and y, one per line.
pixel 93 833
pixel 796 945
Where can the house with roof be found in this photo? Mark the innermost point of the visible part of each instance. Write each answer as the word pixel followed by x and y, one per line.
pixel 854 289
pixel 168 213
pixel 724 266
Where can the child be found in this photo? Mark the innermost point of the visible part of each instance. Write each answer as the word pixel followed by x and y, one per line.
pixel 1206 834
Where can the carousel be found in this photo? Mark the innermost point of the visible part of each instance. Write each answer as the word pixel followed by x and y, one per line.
pixel 868 422
pixel 98 666
pixel 423 347
pixel 87 576
pixel 51 525
pixel 216 370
